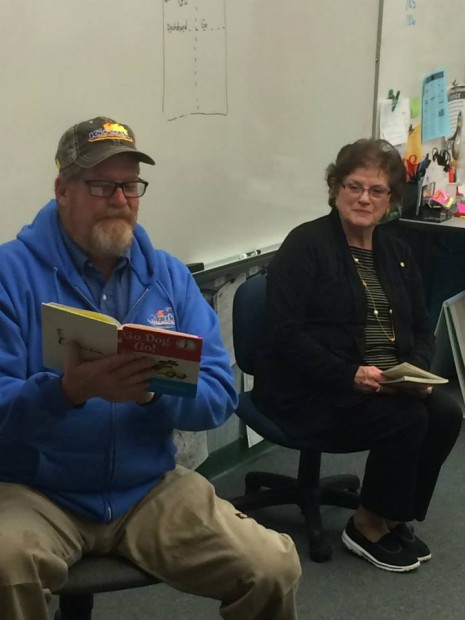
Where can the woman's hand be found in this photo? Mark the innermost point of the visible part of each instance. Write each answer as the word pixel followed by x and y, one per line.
pixel 367 379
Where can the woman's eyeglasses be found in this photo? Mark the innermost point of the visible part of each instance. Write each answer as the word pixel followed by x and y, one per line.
pixel 375 192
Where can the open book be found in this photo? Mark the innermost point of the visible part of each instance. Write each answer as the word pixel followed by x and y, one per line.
pixel 408 375
pixel 176 356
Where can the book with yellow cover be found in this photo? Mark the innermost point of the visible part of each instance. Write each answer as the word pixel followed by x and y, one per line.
pixel 408 375
pixel 176 356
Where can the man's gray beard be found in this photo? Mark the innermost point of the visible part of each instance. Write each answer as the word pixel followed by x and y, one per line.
pixel 110 238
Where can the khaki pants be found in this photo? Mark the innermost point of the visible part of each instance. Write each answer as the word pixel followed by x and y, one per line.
pixel 181 532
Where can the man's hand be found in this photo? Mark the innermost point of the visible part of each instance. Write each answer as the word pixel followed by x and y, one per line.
pixel 116 378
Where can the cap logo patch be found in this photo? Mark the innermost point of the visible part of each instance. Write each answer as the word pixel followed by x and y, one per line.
pixel 110 131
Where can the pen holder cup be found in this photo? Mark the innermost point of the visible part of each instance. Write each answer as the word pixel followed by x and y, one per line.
pixel 409 200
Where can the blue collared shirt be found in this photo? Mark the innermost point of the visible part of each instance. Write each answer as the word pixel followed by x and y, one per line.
pixel 111 297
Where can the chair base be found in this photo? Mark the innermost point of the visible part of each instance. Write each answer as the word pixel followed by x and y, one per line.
pixel 75 607
pixel 338 491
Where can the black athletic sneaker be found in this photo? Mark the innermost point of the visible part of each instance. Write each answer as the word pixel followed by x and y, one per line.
pixel 411 543
pixel 387 553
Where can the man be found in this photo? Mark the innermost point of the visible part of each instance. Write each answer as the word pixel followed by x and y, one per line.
pixel 86 457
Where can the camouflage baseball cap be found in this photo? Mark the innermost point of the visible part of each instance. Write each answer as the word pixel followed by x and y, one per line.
pixel 91 142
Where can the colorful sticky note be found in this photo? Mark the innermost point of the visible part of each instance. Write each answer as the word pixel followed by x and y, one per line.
pixel 415 107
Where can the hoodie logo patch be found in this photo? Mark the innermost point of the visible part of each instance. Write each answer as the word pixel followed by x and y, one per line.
pixel 162 318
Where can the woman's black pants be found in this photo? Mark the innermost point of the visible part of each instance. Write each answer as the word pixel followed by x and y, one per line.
pixel 408 439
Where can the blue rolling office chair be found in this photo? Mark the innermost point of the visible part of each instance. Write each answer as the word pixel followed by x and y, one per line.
pixel 308 491
pixel 97 574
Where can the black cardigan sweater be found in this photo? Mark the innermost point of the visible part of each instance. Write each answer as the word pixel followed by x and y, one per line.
pixel 316 315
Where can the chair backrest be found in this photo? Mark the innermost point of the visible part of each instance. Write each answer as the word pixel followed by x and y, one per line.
pixel 249 320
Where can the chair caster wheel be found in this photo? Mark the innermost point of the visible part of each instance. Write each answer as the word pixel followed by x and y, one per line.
pixel 251 488
pixel 320 551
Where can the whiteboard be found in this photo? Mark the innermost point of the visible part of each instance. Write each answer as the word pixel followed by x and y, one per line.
pixel 419 36
pixel 242 103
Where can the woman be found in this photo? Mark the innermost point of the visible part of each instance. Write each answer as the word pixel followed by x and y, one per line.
pixel 345 302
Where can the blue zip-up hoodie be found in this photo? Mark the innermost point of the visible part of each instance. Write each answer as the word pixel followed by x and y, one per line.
pixel 100 459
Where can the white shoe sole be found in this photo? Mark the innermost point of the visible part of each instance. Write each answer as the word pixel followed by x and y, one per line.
pixel 351 545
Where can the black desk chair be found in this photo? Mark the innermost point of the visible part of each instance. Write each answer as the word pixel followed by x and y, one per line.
pixel 308 491
pixel 96 574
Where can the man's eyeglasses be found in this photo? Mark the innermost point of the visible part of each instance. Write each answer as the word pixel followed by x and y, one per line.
pixel 105 189
pixel 375 192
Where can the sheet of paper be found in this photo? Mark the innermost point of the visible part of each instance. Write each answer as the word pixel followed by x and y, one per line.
pixel 247 382
pixel 456 98
pixel 414 146
pixel 435 175
pixel 192 448
pixel 252 436
pixel 435 121
pixel 223 304
pixel 393 125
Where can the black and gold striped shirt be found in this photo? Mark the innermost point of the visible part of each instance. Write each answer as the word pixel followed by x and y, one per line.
pixel 379 330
